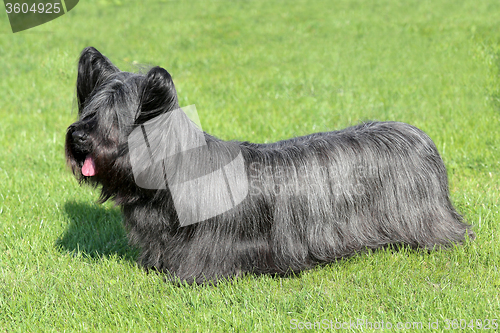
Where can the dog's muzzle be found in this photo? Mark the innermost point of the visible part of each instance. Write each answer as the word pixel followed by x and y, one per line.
pixel 79 137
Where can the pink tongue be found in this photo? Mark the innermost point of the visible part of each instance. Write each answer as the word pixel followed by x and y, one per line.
pixel 88 168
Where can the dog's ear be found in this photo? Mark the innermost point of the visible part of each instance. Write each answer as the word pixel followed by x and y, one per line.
pixel 93 69
pixel 158 95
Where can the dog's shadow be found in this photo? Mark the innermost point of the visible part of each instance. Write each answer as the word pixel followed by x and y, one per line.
pixel 95 232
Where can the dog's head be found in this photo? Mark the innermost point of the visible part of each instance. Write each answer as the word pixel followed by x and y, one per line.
pixel 111 103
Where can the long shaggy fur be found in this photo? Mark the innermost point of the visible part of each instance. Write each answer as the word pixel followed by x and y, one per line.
pixel 312 199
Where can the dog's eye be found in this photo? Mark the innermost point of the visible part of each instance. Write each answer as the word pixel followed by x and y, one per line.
pixel 89 123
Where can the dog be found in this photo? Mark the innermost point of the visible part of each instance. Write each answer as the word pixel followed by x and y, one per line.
pixel 201 209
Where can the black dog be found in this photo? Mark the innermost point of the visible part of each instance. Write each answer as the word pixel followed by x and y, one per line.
pixel 261 208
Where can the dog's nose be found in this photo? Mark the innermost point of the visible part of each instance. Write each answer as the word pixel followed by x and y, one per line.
pixel 79 136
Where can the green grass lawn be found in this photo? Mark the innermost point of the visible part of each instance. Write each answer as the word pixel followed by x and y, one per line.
pixel 259 71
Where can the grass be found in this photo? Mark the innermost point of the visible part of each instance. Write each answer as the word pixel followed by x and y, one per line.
pixel 259 71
